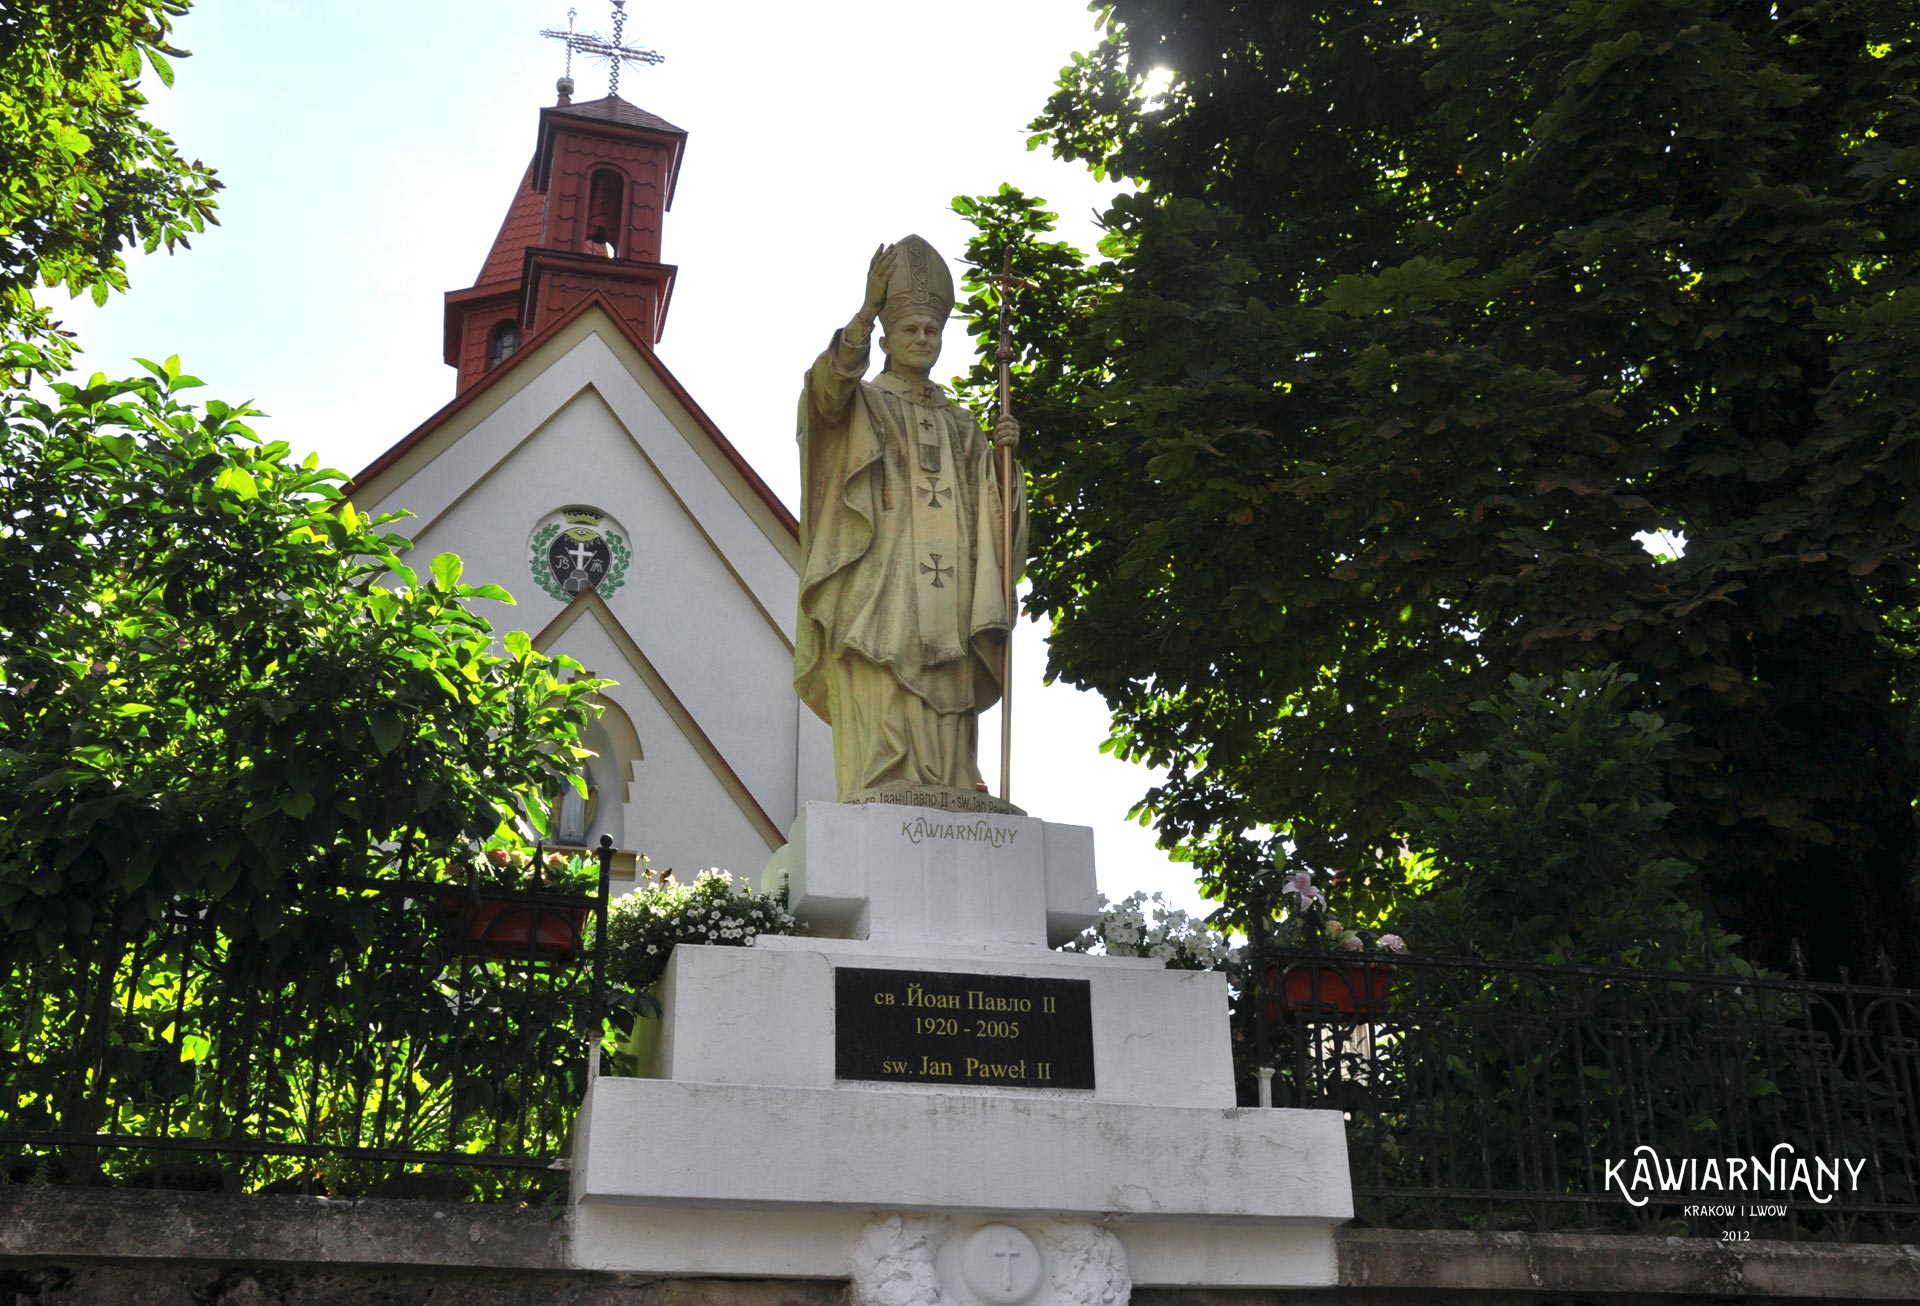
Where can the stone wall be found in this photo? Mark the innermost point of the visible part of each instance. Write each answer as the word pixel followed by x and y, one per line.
pixel 106 1247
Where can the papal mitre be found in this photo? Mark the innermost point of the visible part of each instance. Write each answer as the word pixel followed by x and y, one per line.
pixel 920 282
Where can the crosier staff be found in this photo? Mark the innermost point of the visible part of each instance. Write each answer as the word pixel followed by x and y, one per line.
pixel 1003 445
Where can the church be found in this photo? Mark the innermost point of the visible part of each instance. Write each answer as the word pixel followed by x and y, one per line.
pixel 572 468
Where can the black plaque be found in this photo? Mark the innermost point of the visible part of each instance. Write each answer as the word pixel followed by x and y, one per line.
pixel 934 1027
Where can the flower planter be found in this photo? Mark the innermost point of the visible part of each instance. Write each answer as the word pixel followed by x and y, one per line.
pixel 512 932
pixel 1347 987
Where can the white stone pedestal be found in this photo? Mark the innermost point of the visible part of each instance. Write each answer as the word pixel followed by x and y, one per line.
pixel 911 875
pixel 744 1154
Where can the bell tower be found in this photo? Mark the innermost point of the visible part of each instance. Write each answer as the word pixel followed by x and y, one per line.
pixel 585 220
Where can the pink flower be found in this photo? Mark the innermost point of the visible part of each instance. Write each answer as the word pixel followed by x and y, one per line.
pixel 1352 943
pixel 1335 929
pixel 1393 943
pixel 499 856
pixel 556 861
pixel 1299 887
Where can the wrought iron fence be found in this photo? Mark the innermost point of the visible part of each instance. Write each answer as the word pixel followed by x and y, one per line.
pixel 1522 1096
pixel 387 1036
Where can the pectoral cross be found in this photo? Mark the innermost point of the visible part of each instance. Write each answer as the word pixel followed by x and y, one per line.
pixel 929 447
pixel 937 570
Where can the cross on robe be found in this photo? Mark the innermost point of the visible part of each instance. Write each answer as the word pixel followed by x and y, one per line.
pixel 933 492
pixel 937 570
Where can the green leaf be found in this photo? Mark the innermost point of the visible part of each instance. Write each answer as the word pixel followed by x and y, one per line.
pixel 388 730
pixel 238 482
pixel 161 67
pixel 446 571
pixel 139 866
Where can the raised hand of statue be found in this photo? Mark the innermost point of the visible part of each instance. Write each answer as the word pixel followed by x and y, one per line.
pixel 879 276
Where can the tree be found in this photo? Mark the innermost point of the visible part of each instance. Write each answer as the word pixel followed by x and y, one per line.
pixel 86 175
pixel 1541 842
pixel 1420 318
pixel 216 675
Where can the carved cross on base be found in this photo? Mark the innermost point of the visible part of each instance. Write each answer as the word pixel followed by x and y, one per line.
pixel 1005 1254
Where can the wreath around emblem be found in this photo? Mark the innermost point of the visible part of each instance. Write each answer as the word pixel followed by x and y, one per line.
pixel 617 569
pixel 542 573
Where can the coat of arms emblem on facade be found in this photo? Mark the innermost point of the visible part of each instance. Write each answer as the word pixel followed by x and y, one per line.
pixel 577 549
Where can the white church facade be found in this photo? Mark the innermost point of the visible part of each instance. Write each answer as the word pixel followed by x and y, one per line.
pixel 574 470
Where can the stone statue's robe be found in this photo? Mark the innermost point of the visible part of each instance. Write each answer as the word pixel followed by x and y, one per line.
pixel 902 616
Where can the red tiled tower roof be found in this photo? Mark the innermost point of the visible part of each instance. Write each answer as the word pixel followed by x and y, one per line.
pixel 521 229
pixel 586 220
pixel 612 108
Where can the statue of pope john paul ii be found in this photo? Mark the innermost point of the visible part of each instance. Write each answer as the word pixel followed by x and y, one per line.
pixel 902 616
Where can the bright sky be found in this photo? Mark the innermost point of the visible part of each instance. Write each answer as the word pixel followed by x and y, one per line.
pixel 370 151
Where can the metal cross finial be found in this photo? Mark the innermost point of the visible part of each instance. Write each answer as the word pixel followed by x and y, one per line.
pixel 566 36
pixel 1007 284
pixel 613 51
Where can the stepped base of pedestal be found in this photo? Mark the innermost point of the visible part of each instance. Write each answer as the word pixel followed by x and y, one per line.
pixel 738 1179
pixel 923 1099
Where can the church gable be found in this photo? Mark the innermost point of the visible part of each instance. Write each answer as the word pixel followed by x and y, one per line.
pixel 658 782
pixel 583 466
pixel 463 443
pixel 574 470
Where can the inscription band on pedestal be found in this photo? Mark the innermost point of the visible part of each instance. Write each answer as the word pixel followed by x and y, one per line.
pixel 939 1027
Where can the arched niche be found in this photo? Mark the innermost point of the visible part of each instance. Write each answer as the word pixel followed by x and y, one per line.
pixel 606 212
pixel 616 750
